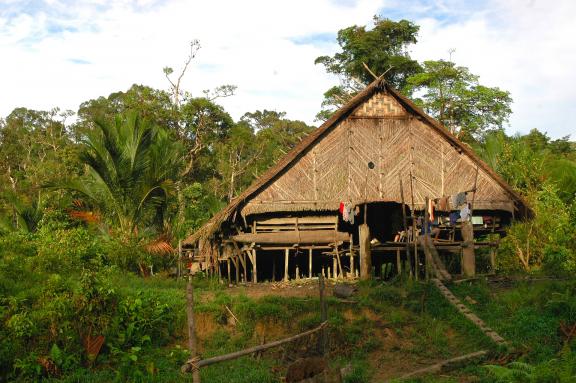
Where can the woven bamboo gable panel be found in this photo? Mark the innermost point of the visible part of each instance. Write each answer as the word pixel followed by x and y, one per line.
pixel 380 105
pixel 335 168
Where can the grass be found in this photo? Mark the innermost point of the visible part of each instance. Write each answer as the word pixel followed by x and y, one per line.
pixel 426 326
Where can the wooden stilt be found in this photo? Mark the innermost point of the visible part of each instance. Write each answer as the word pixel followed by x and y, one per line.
pixel 273 269
pixel 339 264
pixel 254 267
pixel 245 267
pixel 286 257
pixel 334 267
pixel 228 268
pixel 398 263
pixel 468 256
pixel 352 271
pixel 416 261
pixel 297 272
pixel 365 252
pixel 236 268
pixel 493 259
pixel 310 263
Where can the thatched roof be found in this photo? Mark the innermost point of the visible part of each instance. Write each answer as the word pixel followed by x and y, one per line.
pixel 285 163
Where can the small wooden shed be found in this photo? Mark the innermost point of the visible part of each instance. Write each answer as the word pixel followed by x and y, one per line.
pixel 355 198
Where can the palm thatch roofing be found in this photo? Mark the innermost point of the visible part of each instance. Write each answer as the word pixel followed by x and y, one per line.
pixel 264 195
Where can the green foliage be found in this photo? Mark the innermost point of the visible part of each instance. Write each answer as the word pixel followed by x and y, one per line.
pixel 360 373
pixel 54 294
pixel 561 369
pixel 546 241
pixel 131 167
pixel 453 96
pixel 384 49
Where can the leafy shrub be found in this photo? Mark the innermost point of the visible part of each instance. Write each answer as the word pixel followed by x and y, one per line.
pixel 548 241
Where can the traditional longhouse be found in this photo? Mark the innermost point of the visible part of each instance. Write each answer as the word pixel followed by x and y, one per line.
pixel 354 196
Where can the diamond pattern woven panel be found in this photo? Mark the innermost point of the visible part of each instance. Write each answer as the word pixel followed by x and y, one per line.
pixel 380 105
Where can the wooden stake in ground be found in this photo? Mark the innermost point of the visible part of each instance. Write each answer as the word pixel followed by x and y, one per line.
pixel 192 345
pixel 323 314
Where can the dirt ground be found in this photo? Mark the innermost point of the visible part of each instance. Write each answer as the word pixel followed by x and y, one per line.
pixel 392 359
pixel 303 288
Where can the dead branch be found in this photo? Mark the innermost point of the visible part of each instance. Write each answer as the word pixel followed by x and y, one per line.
pixel 444 365
pixel 235 355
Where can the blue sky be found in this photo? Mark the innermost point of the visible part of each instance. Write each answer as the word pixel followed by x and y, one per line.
pixel 63 52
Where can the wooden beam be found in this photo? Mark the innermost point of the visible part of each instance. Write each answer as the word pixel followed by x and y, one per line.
pixel 293 237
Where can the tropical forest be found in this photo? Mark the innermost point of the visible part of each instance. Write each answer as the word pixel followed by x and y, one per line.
pixel 96 205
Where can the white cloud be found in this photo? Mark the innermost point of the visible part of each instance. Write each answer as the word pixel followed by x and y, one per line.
pixel 62 52
pixel 521 46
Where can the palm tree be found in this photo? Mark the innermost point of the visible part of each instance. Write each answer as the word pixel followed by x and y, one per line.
pixel 131 170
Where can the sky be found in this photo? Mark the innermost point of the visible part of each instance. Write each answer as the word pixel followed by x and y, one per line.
pixel 60 53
